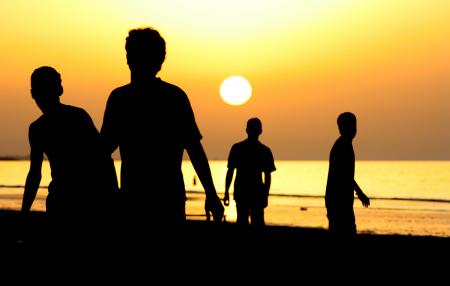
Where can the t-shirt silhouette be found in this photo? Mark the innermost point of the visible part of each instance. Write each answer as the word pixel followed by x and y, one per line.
pixel 82 173
pixel 152 124
pixel 250 158
pixel 339 195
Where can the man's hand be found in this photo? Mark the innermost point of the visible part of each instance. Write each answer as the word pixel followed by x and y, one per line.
pixel 213 205
pixel 364 199
pixel 226 199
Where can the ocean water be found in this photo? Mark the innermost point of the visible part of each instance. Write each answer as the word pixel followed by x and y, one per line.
pixel 407 197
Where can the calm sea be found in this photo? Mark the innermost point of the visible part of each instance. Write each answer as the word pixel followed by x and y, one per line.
pixel 407 197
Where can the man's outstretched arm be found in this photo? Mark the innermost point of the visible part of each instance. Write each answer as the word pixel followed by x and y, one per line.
pixel 200 162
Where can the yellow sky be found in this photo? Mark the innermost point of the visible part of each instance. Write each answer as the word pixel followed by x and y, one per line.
pixel 307 60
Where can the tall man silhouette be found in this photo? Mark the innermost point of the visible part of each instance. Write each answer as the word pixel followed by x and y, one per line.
pixel 83 174
pixel 251 159
pixel 341 184
pixel 152 123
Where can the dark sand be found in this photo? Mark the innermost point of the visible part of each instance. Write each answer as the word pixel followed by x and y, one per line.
pixel 200 247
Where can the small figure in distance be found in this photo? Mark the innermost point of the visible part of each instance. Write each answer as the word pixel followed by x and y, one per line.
pixel 252 160
pixel 341 184
pixel 152 123
pixel 83 174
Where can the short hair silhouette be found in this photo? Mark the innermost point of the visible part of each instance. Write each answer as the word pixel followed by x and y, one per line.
pixel 145 47
pixel 347 124
pixel 46 81
pixel 254 126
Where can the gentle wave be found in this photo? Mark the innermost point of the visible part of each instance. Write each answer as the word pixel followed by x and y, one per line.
pixel 428 200
pixel 372 198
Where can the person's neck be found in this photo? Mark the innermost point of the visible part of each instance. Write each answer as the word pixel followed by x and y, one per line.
pixel 52 109
pixel 253 139
pixel 347 138
pixel 142 78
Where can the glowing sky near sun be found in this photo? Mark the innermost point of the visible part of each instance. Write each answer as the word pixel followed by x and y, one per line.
pixel 307 61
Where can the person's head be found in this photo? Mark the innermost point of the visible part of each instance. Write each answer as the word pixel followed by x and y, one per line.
pixel 46 87
pixel 254 128
pixel 146 51
pixel 347 124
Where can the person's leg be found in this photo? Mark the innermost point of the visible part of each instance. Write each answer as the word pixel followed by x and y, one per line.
pixel 180 216
pixel 175 215
pixel 343 224
pixel 351 223
pixel 242 214
pixel 331 221
pixel 257 216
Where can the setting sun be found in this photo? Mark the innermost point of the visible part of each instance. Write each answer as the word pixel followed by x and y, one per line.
pixel 235 90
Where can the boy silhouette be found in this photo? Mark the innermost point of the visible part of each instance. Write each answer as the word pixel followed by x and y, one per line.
pixel 83 174
pixel 341 184
pixel 251 159
pixel 152 123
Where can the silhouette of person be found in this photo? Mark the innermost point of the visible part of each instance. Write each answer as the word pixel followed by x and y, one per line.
pixel 341 184
pixel 251 159
pixel 152 123
pixel 83 175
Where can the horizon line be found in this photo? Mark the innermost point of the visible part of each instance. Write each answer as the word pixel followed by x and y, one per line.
pixel 27 157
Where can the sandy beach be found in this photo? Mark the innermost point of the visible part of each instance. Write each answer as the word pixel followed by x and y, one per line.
pixel 202 252
pixel 32 233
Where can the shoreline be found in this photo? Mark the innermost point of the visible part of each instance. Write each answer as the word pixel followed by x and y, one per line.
pixel 282 195
pixel 395 218
pixel 12 223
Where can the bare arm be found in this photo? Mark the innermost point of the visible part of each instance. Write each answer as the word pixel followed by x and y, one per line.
pixel 362 197
pixel 228 180
pixel 201 166
pixel 33 178
pixel 267 182
pixel 107 132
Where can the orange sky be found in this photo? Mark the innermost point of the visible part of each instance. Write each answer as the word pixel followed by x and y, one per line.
pixel 308 60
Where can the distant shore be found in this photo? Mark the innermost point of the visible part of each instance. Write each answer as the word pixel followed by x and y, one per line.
pixel 14 158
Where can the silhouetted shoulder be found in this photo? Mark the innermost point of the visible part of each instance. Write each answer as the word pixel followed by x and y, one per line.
pixel 115 101
pixel 247 144
pixel 168 90
pixel 34 130
pixel 238 148
pixel 78 116
pixel 238 145
pixel 265 148
pixel 171 87
pixel 75 110
pixel 336 145
pixel 121 91
pixel 35 124
pixel 268 157
pixel 173 91
pixel 249 152
pixel 65 111
pixel 341 148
